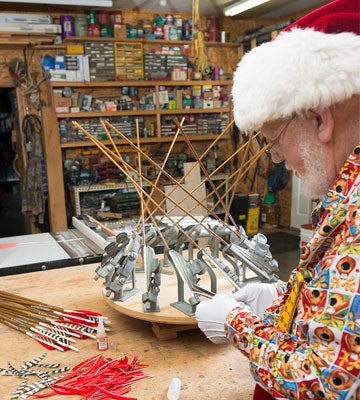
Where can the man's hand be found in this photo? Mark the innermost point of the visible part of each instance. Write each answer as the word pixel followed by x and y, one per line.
pixel 211 314
pixel 258 296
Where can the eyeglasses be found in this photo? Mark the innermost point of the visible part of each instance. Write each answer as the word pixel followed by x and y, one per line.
pixel 276 141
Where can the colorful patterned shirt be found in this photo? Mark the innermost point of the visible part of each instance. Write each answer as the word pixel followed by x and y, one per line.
pixel 320 357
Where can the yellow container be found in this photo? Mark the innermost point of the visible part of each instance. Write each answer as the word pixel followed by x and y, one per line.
pixel 252 222
pixel 75 49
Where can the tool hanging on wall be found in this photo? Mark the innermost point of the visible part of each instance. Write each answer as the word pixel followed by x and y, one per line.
pixel 27 79
pixel 33 196
pixel 198 47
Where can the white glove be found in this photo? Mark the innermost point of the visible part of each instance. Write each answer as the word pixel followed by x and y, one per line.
pixel 258 296
pixel 210 315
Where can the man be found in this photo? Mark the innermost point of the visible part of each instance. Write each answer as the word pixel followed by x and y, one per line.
pixel 303 91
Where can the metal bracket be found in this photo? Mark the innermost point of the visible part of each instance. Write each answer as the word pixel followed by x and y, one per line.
pixel 153 280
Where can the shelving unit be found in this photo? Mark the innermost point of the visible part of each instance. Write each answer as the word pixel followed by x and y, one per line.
pixel 128 61
pixel 78 190
pixel 149 140
pixel 82 39
pixel 108 88
pixel 157 118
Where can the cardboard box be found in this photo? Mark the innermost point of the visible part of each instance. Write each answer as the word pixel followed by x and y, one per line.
pixel 208 104
pixel 75 49
pixel 60 101
pixel 59 62
pixel 74 76
pixel 85 68
pixel 179 98
pixel 120 32
pixel 62 109
pixel 57 74
pixel 178 75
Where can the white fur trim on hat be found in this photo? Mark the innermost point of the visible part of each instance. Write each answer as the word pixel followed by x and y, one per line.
pixel 299 70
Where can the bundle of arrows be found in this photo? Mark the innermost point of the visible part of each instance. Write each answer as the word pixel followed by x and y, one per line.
pixel 94 378
pixel 53 327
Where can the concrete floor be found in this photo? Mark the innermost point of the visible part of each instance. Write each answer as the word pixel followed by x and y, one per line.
pixel 287 260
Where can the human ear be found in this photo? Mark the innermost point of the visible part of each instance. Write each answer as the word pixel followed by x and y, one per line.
pixel 323 121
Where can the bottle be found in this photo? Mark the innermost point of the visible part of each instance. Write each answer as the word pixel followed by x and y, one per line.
pixel 173 392
pixel 101 336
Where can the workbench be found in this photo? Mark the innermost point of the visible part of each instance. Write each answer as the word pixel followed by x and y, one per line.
pixel 207 371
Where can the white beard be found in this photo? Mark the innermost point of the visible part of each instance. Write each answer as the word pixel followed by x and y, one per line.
pixel 316 178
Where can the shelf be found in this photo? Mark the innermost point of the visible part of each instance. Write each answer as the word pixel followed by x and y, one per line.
pixel 100 187
pixel 126 113
pixel 195 111
pixel 146 41
pixel 148 140
pixel 96 114
pixel 57 84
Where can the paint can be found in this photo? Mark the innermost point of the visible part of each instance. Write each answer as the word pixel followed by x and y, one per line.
pixel 94 30
pixel 67 25
pixel 103 18
pixel 92 17
pixel 106 30
pixel 131 31
pixel 81 28
pixel 116 18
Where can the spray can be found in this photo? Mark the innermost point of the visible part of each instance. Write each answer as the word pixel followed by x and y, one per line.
pixel 101 336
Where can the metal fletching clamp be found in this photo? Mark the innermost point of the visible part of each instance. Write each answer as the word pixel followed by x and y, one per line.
pixel 125 269
pixel 118 265
pixel 184 277
pixel 224 269
pixel 153 280
pixel 112 257
pixel 253 254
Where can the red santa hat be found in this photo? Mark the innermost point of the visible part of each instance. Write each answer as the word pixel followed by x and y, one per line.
pixel 315 61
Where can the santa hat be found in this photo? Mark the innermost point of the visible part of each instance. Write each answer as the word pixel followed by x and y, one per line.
pixel 315 61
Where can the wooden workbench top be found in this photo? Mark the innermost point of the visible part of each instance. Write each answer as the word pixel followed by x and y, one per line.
pixel 207 371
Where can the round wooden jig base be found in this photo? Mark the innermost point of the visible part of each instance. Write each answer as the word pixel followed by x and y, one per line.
pixel 169 320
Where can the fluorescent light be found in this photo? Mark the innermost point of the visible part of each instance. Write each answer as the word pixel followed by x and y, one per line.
pixel 89 3
pixel 242 6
